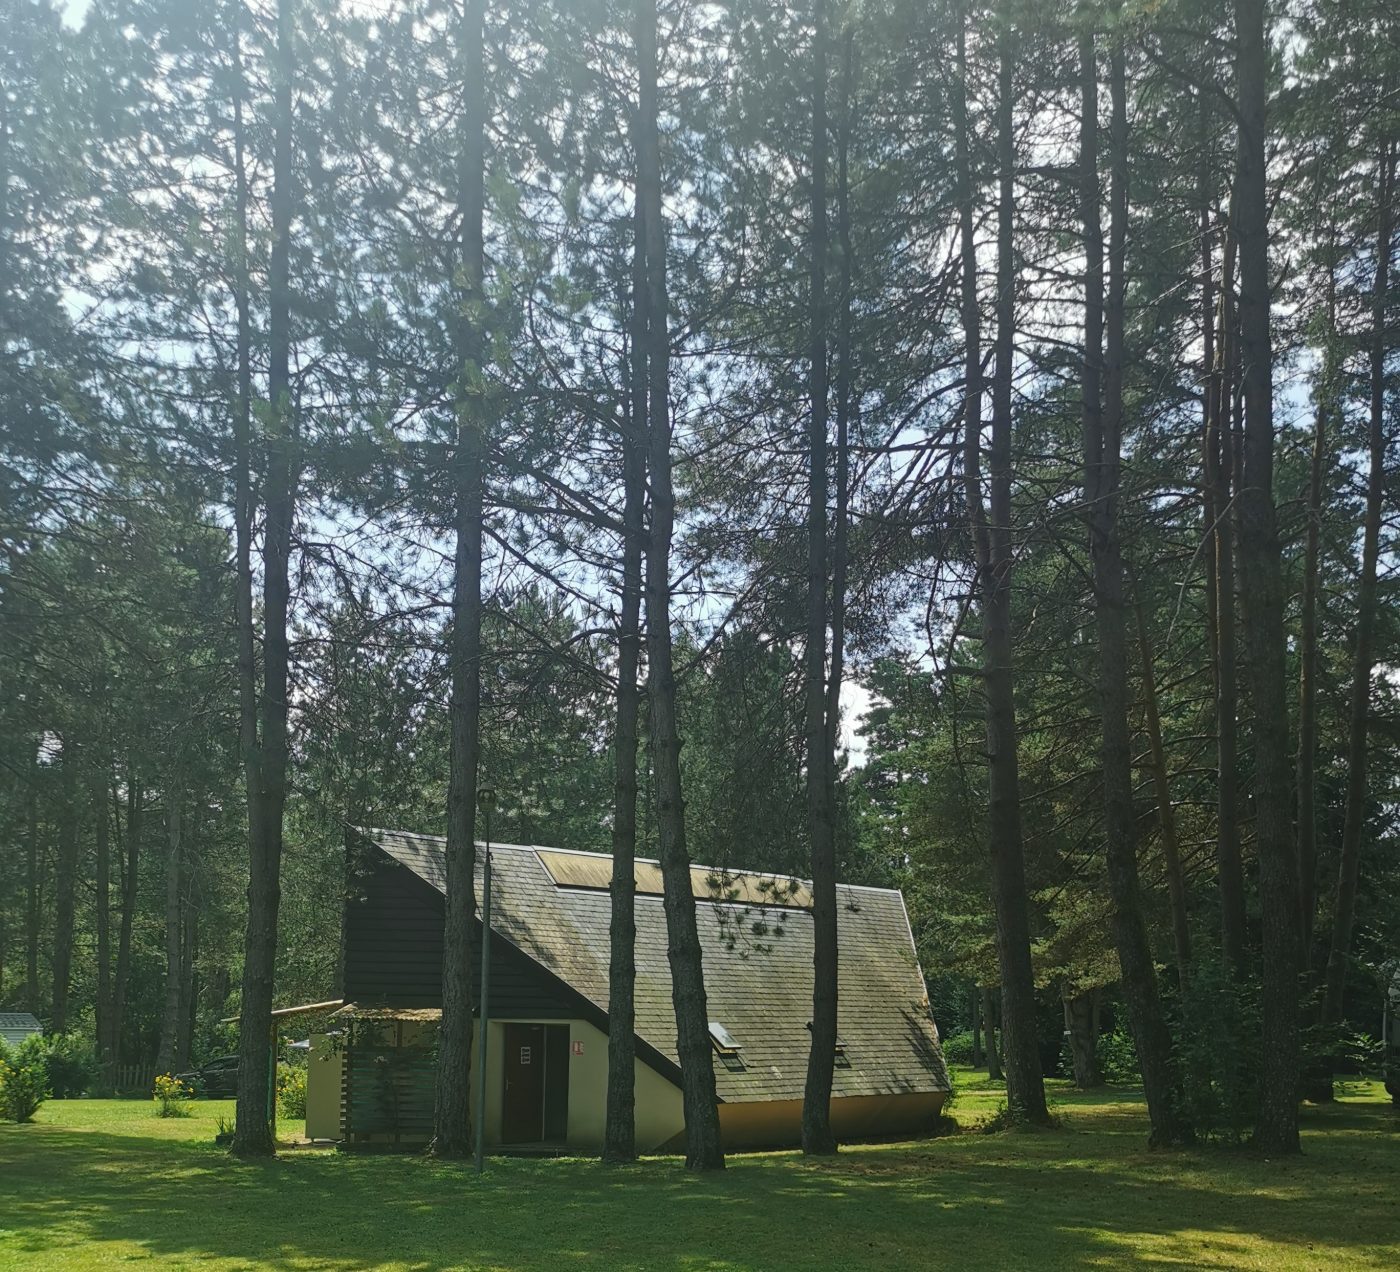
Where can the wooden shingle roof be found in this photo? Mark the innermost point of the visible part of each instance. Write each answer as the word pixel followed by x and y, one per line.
pixel 16 1026
pixel 758 968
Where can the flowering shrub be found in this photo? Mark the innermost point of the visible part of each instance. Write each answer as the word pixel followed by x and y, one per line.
pixel 172 1097
pixel 24 1084
pixel 291 1091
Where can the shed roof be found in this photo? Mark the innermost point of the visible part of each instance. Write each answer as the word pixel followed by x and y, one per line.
pixel 758 965
pixel 16 1026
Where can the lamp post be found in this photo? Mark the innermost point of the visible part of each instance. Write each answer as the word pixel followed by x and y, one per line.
pixel 486 802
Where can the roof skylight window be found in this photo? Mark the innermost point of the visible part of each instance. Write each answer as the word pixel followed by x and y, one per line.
pixel 724 1041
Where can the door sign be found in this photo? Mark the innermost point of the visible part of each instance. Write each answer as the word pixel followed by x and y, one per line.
pixel 524 1055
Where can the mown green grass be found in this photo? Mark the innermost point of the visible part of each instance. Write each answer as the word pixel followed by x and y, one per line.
pixel 98 1184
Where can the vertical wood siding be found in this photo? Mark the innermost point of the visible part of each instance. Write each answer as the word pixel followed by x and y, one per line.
pixel 393 948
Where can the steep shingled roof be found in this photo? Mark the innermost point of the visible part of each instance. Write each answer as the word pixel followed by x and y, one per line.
pixel 16 1026
pixel 759 986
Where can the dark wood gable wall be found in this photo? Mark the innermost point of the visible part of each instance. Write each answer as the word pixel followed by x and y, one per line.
pixel 393 935
pixel 393 947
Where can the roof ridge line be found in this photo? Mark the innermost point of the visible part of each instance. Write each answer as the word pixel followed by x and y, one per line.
pixel 649 861
pixel 734 870
pixel 480 843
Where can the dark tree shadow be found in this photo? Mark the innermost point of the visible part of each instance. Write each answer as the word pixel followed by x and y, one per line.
pixel 969 1202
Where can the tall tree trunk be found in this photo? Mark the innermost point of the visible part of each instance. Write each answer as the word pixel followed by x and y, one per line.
pixel 1081 1026
pixel 1219 482
pixel 1219 584
pixel 976 1027
pixel 452 1131
pixel 989 1028
pixel 817 1136
pixel 103 926
pixel 620 1133
pixel 252 1139
pixel 130 893
pixel 65 891
pixel 253 1130
pixel 242 408
pixel 1166 814
pixel 1103 436
pixel 166 1053
pixel 1363 658
pixel 1020 1051
pixel 32 912
pixel 189 952
pixel 971 315
pixel 845 394
pixel 1262 606
pixel 1307 642
pixel 703 1150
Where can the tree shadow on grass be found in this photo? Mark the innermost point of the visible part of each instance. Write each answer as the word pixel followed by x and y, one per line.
pixel 1055 1201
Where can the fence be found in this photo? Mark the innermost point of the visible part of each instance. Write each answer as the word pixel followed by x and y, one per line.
pixel 134 1079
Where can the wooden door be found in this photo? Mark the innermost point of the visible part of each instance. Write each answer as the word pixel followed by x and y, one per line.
pixel 522 1103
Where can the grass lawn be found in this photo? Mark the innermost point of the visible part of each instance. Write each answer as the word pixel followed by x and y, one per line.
pixel 102 1183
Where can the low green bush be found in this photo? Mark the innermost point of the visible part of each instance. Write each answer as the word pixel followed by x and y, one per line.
pixel 291 1090
pixel 957 1048
pixel 1117 1056
pixel 72 1065
pixel 24 1082
pixel 1361 1052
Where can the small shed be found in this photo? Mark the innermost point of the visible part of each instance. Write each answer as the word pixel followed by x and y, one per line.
pixel 16 1026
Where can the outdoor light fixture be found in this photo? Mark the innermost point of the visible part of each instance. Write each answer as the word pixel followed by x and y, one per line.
pixel 486 802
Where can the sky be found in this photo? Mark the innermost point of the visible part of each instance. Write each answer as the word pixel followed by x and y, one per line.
pixel 856 701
